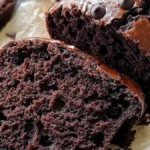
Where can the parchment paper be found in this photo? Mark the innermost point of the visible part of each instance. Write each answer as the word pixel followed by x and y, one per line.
pixel 28 21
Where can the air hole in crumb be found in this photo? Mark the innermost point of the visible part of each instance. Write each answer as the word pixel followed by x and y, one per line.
pixel 47 87
pixel 66 55
pixel 91 98
pixel 15 127
pixel 103 50
pixel 123 50
pixel 54 87
pixel 67 15
pixel 77 148
pixel 90 35
pixel 31 77
pixel 123 103
pixel 114 112
pixel 2 116
pixel 18 60
pixel 13 108
pixel 73 135
pixel 119 57
pixel 46 56
pixel 61 49
pixel 16 84
pixel 80 24
pixel 29 126
pixel 28 102
pixel 58 104
pixel 4 5
pixel 98 139
pixel 42 52
pixel 1 79
pixel 45 140
pixel 71 32
pixel 74 72
pixel 58 60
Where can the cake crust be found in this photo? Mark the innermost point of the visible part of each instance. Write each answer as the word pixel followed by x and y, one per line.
pixel 113 10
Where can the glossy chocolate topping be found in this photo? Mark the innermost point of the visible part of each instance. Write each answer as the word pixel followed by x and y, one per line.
pixel 98 11
pixel 140 32
pixel 113 9
pixel 126 4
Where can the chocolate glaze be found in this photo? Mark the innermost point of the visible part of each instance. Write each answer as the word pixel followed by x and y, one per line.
pixel 111 73
pixel 98 11
pixel 140 33
pixel 113 10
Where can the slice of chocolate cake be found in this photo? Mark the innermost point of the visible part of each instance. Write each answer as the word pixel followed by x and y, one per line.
pixel 91 24
pixel 117 31
pixel 54 97
pixel 6 9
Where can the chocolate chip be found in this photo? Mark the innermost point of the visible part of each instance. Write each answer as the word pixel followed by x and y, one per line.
pixel 98 11
pixel 11 35
pixel 126 4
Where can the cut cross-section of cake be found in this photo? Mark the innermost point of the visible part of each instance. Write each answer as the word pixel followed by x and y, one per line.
pixel 117 31
pixel 55 97
pixel 6 10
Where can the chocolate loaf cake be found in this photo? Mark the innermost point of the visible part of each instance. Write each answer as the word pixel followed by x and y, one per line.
pixel 6 9
pixel 55 97
pixel 116 31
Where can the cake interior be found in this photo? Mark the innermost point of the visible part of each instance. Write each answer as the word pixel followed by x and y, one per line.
pixel 104 42
pixel 54 98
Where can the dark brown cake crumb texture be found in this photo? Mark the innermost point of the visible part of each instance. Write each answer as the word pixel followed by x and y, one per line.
pixel 107 44
pixel 52 98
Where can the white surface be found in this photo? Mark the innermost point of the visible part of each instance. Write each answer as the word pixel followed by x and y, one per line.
pixel 28 21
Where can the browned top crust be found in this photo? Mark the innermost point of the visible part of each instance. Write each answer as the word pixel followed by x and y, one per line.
pixel 113 10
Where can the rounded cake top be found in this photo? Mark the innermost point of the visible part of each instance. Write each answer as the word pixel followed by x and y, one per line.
pixel 112 9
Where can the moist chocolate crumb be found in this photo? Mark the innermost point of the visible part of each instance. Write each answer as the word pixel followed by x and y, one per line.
pixel 105 39
pixel 55 97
